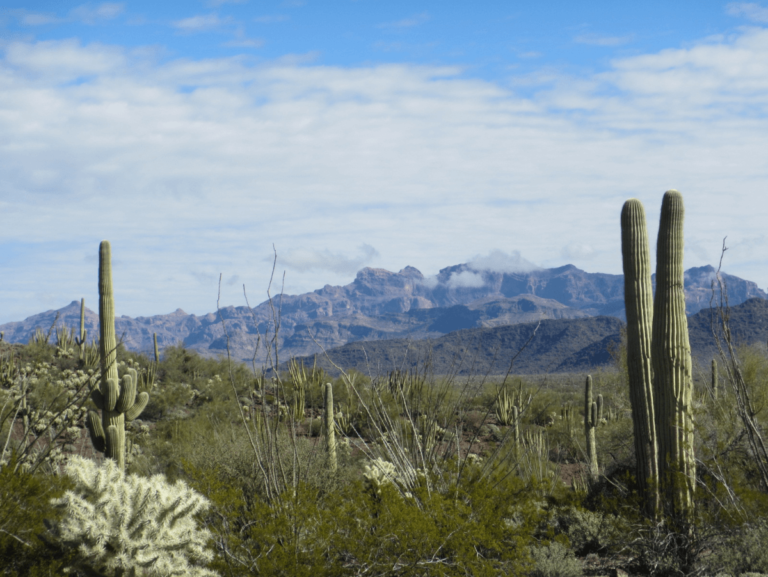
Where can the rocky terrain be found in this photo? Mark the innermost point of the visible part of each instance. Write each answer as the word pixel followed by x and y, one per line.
pixel 380 305
pixel 556 346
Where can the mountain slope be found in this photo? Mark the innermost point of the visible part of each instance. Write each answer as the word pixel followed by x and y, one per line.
pixel 380 304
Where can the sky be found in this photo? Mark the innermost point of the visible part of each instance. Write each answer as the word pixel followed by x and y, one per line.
pixel 204 138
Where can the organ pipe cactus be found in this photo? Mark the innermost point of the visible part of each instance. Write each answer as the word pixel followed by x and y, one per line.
pixel 590 424
pixel 671 357
pixel 157 351
pixel 638 299
pixel 328 425
pixel 117 403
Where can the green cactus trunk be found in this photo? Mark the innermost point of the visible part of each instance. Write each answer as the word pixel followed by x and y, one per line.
pixel 715 387
pixel 110 418
pixel 80 342
pixel 329 427
pixel 118 403
pixel 590 423
pixel 157 351
pixel 671 356
pixel 638 299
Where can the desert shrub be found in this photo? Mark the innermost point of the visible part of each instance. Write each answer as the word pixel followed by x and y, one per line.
pixel 251 536
pixel 24 506
pixel 479 526
pixel 744 551
pixel 590 531
pixel 555 560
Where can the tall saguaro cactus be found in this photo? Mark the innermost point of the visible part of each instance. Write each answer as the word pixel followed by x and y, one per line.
pixel 117 403
pixel 671 357
pixel 638 299
pixel 590 423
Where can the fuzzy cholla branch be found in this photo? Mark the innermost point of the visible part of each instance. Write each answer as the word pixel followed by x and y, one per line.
pixel 130 525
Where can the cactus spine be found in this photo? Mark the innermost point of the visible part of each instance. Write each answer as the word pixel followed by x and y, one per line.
pixel 117 403
pixel 328 426
pixel 590 423
pixel 671 357
pixel 638 299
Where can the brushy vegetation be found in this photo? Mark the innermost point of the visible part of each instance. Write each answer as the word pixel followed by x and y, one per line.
pixel 433 476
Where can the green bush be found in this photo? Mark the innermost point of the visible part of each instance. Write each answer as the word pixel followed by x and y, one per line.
pixel 555 560
pixel 744 551
pixel 24 507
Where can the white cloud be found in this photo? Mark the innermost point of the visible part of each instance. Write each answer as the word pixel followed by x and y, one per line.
pixel 430 281
pixel 500 261
pixel 304 260
pixel 465 279
pixel 749 10
pixel 577 251
pixel 245 43
pixel 201 165
pixel 37 18
pixel 601 40
pixel 52 61
pixel 201 23
pixel 90 14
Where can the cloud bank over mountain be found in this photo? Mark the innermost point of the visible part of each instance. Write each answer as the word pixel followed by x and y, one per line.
pixel 197 166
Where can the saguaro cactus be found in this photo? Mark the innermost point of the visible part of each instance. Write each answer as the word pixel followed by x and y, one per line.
pixel 638 299
pixel 715 392
pixel 590 423
pixel 80 342
pixel 157 352
pixel 328 426
pixel 116 403
pixel 671 358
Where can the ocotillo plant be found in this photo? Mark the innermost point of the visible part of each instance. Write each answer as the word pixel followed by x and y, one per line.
pixel 116 403
pixel 671 357
pixel 590 423
pixel 328 426
pixel 638 298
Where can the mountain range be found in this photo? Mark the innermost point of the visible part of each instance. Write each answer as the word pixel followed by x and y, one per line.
pixel 383 305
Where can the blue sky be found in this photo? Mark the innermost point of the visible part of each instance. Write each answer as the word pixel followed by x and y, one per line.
pixel 195 136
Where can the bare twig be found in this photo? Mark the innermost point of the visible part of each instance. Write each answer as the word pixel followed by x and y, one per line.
pixel 725 346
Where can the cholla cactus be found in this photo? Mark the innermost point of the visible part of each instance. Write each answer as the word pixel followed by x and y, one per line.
pixel 124 524
pixel 381 472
